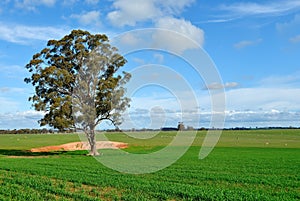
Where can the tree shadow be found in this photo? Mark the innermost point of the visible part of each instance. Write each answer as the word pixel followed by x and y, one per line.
pixel 26 153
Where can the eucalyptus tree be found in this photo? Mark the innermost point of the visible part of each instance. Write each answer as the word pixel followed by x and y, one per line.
pixel 78 84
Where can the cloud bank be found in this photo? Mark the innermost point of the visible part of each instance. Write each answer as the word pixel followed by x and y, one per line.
pixel 271 8
pixel 22 34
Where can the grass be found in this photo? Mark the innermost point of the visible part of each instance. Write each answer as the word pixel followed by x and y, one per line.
pixel 28 141
pixel 245 165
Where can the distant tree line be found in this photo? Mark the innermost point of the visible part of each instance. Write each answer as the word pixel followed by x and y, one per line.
pixel 27 131
pixel 262 128
pixel 49 131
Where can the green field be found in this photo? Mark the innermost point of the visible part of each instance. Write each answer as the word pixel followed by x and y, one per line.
pixel 245 165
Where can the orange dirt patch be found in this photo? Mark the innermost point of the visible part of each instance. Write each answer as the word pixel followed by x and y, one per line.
pixel 81 146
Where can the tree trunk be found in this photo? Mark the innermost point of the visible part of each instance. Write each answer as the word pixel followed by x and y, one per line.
pixel 93 143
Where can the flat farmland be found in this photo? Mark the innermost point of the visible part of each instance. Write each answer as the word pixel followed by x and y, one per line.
pixel 245 165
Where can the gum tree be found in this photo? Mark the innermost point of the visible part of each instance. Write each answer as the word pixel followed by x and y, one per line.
pixel 78 84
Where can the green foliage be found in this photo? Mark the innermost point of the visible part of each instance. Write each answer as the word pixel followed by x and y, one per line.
pixel 65 66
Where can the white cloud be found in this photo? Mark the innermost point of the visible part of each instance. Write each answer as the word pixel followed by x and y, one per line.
pixel 287 81
pixel 18 120
pixel 92 2
pixel 246 43
pixel 257 106
pixel 262 118
pixel 131 39
pixel 31 4
pixel 69 2
pixel 153 112
pixel 130 12
pixel 4 89
pixel 159 58
pixel 171 34
pixel 183 27
pixel 185 36
pixel 264 105
pixel 139 61
pixel 88 18
pixel 246 107
pixel 12 98
pixel 220 20
pixel 216 86
pixel 5 1
pixel 2 54
pixel 266 98
pixel 7 104
pixel 290 25
pixel 174 7
pixel 23 34
pixel 295 39
pixel 13 72
pixel 274 8
pixel 12 90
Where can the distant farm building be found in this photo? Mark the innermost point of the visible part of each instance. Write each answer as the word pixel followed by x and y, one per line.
pixel 180 126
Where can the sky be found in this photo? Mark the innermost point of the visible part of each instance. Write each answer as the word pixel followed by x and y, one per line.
pixel 189 59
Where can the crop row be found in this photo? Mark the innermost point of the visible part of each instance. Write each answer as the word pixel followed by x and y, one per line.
pixel 227 174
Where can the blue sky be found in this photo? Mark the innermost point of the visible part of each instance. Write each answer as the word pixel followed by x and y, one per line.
pixel 255 46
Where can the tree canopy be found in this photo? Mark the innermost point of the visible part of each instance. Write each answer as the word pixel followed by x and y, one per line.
pixel 77 82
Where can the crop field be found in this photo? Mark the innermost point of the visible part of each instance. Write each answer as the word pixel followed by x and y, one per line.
pixel 245 165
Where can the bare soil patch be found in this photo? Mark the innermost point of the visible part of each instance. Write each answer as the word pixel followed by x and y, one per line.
pixel 74 146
